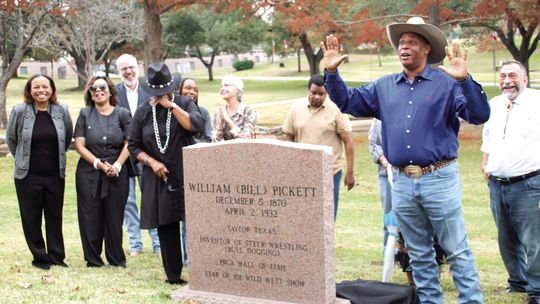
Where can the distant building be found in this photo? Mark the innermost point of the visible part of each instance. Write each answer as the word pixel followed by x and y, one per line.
pixel 182 65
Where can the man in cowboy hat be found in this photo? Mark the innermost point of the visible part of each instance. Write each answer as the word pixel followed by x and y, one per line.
pixel 419 109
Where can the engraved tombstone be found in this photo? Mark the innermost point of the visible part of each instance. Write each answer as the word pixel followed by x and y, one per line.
pixel 259 223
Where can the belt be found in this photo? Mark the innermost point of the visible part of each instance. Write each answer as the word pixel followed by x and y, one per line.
pixel 415 171
pixel 514 179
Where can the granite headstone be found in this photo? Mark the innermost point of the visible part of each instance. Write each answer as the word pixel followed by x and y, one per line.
pixel 260 225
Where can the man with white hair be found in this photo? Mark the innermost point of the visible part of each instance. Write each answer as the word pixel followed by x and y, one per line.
pixel 511 164
pixel 131 95
pixel 419 110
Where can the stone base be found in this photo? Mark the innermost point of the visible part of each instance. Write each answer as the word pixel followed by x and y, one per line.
pixel 204 297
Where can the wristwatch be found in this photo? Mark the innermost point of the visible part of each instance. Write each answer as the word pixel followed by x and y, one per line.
pixel 173 106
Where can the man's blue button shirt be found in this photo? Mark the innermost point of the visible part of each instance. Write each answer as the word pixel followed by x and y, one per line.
pixel 420 119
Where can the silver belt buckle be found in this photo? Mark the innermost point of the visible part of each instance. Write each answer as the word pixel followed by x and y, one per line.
pixel 413 171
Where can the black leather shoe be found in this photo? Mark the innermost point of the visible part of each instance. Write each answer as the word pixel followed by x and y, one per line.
pixel 509 289
pixel 42 265
pixel 176 282
pixel 534 300
pixel 61 264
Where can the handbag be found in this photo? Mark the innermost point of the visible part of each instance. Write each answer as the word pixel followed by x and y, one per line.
pixel 368 292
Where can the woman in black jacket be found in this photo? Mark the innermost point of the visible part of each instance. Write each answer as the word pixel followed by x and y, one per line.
pixel 38 135
pixel 160 128
pixel 102 177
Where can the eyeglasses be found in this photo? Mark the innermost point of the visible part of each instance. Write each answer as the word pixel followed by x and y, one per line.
pixel 101 87
pixel 512 76
pixel 131 67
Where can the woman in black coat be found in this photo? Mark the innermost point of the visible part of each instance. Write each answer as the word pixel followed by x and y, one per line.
pixel 159 130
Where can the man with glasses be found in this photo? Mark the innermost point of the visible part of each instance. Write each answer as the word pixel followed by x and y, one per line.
pixel 511 165
pixel 131 95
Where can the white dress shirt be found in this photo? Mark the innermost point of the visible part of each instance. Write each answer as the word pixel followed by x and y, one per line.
pixel 133 98
pixel 511 137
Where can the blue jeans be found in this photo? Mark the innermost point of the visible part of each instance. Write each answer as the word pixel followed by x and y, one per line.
pixel 385 192
pixel 432 205
pixel 184 243
pixel 133 226
pixel 337 180
pixel 516 212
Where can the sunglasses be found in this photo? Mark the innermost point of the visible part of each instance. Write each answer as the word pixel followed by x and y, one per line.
pixel 101 87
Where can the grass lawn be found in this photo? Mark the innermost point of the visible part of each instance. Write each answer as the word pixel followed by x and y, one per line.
pixel 358 243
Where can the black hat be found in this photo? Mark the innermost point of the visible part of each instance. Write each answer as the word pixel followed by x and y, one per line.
pixel 159 80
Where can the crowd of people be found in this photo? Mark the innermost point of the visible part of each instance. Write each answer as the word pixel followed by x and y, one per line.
pixel 128 132
pixel 136 130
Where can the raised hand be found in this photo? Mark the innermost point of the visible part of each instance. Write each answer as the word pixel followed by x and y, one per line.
pixel 458 62
pixel 332 58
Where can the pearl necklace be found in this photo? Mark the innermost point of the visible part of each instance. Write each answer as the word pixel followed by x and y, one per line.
pixel 167 129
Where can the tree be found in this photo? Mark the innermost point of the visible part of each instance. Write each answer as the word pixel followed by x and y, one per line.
pixel 204 33
pixel 88 30
pixel 517 23
pixel 19 22
pixel 154 49
pixel 309 21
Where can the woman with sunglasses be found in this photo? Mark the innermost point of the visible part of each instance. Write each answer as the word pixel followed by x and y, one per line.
pixel 38 135
pixel 160 129
pixel 102 179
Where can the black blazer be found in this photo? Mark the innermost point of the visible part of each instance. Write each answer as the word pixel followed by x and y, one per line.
pixel 122 96
pixel 123 102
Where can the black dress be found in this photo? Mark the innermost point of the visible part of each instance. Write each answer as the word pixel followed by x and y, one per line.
pixel 162 204
pixel 101 199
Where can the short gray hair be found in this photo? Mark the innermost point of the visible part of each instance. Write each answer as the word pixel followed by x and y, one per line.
pixel 235 82
pixel 521 66
pixel 126 58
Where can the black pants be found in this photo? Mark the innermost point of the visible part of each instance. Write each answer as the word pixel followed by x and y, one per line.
pixel 171 251
pixel 40 195
pixel 101 219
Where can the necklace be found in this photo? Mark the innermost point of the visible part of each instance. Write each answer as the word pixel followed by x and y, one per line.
pixel 156 130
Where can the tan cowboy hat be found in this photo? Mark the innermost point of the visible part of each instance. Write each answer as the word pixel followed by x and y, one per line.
pixel 433 35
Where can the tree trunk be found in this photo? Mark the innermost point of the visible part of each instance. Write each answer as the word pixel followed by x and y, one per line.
pixel 153 43
pixel 435 19
pixel 208 65
pixel 434 15
pixel 3 94
pixel 210 73
pixel 299 61
pixel 82 77
pixel 314 59
pixel 107 64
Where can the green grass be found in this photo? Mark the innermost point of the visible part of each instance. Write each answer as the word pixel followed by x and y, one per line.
pixel 358 243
